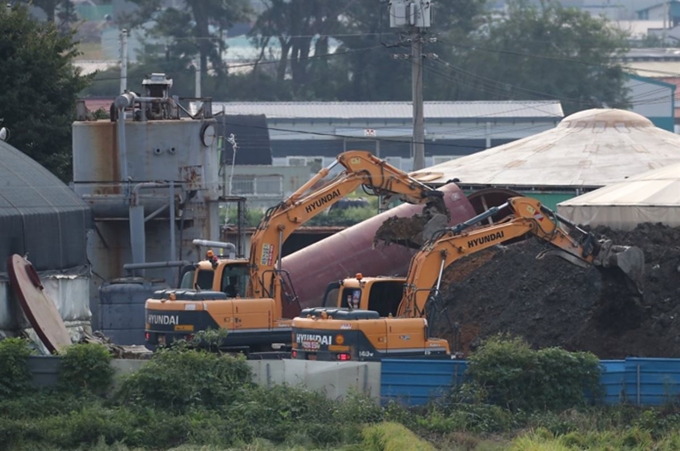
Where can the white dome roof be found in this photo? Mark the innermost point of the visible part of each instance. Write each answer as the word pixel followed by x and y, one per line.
pixel 591 148
pixel 650 197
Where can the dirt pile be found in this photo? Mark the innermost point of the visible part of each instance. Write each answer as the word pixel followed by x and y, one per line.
pixel 403 231
pixel 414 231
pixel 551 302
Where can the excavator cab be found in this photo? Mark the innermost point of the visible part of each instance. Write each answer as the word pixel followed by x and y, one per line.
pixel 379 294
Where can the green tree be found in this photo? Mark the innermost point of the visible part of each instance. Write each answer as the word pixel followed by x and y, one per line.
pixel 298 26
pixel 39 88
pixel 537 52
pixel 63 10
pixel 363 68
pixel 199 29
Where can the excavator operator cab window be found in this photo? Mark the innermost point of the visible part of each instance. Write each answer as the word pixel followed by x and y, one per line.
pixel 187 279
pixel 234 281
pixel 330 297
pixel 385 297
pixel 351 298
pixel 204 280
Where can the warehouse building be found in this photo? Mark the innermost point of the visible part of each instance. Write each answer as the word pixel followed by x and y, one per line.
pixel 313 133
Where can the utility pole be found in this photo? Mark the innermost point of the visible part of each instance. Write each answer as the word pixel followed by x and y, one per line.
pixel 415 15
pixel 123 60
pixel 417 98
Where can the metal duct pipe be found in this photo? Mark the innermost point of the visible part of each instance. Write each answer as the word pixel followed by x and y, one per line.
pixel 123 101
pixel 151 265
pixel 218 244
pixel 117 205
pixel 173 244
pixel 137 219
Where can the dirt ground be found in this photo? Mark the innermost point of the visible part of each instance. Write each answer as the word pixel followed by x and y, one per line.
pixel 552 302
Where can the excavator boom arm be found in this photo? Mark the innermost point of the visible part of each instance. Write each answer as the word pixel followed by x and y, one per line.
pixel 529 216
pixel 361 168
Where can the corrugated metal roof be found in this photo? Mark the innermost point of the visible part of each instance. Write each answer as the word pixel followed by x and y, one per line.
pixel 591 148
pixel 394 110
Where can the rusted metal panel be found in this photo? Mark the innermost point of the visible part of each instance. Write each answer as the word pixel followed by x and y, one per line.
pixel 192 177
pixel 40 309
pixel 95 156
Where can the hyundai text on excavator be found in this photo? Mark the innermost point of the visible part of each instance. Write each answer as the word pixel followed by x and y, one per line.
pixel 378 317
pixel 255 299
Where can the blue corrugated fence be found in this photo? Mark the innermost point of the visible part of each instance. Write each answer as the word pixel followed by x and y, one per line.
pixel 639 381
pixel 652 381
pixel 415 382
pixel 613 381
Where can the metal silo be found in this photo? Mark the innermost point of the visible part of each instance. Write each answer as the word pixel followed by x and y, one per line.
pixel 150 175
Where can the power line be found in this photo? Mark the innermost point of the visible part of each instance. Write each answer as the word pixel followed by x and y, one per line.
pixel 492 86
pixel 355 138
pixel 555 58
pixel 259 63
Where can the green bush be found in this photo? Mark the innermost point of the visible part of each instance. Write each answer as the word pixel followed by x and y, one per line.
pixel 358 408
pixel 209 340
pixel 393 437
pixel 45 403
pixel 177 380
pixel 479 418
pixel 509 373
pixel 15 378
pixel 86 367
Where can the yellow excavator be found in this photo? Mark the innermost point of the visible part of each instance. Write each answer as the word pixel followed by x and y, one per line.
pixel 255 299
pixel 379 317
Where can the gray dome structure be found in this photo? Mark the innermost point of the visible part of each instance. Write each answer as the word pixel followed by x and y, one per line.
pixel 588 149
pixel 39 215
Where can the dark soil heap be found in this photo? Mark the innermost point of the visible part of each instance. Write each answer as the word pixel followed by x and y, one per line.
pixel 403 231
pixel 552 302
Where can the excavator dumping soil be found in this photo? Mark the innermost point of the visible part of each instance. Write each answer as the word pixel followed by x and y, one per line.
pixel 551 302
pixel 413 231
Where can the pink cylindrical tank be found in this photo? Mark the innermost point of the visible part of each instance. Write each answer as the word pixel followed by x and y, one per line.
pixel 351 251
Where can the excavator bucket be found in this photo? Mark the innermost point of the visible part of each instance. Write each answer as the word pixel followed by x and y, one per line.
pixel 628 259
pixel 612 260
pixel 414 231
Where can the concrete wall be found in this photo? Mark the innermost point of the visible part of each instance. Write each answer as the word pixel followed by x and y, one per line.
pixel 335 379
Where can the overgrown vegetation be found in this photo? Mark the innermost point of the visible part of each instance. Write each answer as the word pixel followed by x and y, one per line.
pixel 14 374
pixel 507 372
pixel 86 367
pixel 194 399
